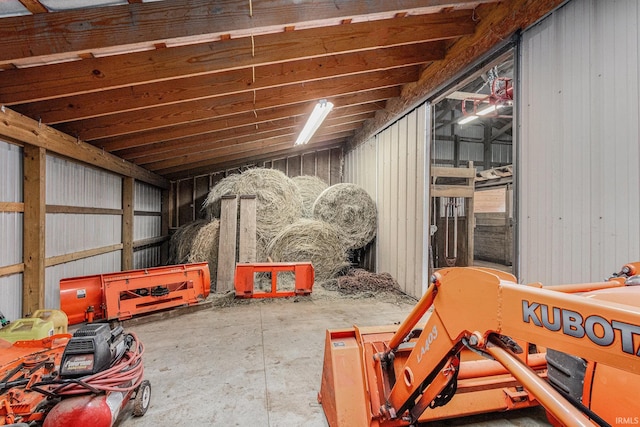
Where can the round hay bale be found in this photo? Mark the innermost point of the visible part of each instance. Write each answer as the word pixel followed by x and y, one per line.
pixel 181 241
pixel 351 210
pixel 205 248
pixel 223 187
pixel 278 200
pixel 314 241
pixel 310 188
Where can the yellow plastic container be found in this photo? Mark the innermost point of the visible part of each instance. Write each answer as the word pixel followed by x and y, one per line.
pixel 58 317
pixel 27 329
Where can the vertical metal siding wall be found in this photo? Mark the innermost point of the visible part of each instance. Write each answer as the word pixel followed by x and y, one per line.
pixel 579 150
pixel 11 229
pixel 147 199
pixel 391 168
pixel 73 184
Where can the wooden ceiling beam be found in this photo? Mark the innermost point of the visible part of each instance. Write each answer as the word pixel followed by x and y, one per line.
pixel 189 112
pixel 133 98
pixel 242 161
pixel 97 74
pixel 254 145
pixel 33 6
pixel 343 115
pixel 203 166
pixel 373 99
pixel 135 26
pixel 203 145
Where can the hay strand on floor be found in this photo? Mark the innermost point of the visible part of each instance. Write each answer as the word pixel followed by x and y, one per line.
pixel 314 241
pixel 358 281
pixel 310 188
pixel 350 208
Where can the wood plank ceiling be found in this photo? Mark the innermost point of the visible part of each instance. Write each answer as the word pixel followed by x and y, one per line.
pixel 188 87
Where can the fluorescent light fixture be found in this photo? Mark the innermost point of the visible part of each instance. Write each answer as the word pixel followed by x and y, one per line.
pixel 467 120
pixel 319 113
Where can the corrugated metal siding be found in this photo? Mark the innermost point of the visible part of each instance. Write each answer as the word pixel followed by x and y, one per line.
pixel 147 257
pixel 11 176
pixel 10 172
pixel 11 296
pixel 579 177
pixel 73 184
pixel 68 233
pixel 391 168
pixel 94 265
pixel 145 227
pixel 147 197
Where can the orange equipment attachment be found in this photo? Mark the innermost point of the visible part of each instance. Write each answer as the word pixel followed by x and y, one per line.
pixel 411 373
pixel 245 274
pixel 122 295
pixel 40 358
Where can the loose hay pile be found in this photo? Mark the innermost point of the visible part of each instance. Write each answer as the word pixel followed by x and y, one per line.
pixel 314 241
pixel 358 281
pixel 181 241
pixel 351 210
pixel 310 188
pixel 278 200
pixel 205 248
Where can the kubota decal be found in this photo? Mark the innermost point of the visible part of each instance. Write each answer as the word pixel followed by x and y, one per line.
pixel 598 329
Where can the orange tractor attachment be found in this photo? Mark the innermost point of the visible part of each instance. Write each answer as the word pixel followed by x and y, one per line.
pixel 466 349
pixel 122 295
pixel 245 274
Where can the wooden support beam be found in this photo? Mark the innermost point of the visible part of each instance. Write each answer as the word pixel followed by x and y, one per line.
pixel 26 131
pixel 98 74
pixel 227 244
pixel 247 230
pixel 160 117
pixel 137 26
pixel 9 270
pixel 128 185
pixel 11 207
pixel 61 259
pixel 372 99
pixel 34 229
pixel 96 104
pixel 165 222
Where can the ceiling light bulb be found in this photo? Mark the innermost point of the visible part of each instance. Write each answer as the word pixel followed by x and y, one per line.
pixel 319 113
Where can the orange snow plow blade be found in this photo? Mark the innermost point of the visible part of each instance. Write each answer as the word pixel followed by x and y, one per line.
pixel 124 294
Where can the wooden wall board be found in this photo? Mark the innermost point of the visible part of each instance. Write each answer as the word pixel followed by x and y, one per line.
pixel 227 244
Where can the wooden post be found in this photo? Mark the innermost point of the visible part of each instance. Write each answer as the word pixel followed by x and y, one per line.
pixel 164 223
pixel 127 223
pixel 247 240
pixel 227 246
pixel 33 286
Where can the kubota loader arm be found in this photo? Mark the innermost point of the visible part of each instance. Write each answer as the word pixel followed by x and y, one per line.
pixel 483 310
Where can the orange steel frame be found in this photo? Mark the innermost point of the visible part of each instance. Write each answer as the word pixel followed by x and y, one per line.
pixel 122 295
pixel 388 376
pixel 245 274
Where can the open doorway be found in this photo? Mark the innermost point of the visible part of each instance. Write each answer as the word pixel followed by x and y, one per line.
pixel 472 181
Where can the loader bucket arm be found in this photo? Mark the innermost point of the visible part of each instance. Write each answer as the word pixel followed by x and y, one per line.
pixel 401 375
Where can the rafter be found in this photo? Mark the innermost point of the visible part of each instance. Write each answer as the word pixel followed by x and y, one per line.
pixel 228 82
pixel 135 26
pixel 98 74
pixel 158 117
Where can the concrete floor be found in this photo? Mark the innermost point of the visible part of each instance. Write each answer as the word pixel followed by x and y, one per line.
pixel 259 362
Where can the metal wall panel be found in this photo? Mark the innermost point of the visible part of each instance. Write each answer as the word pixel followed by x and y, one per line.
pixel 146 227
pixel 11 296
pixel 391 168
pixel 73 184
pixel 579 179
pixel 147 257
pixel 11 240
pixel 147 197
pixel 94 265
pixel 10 172
pixel 68 233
